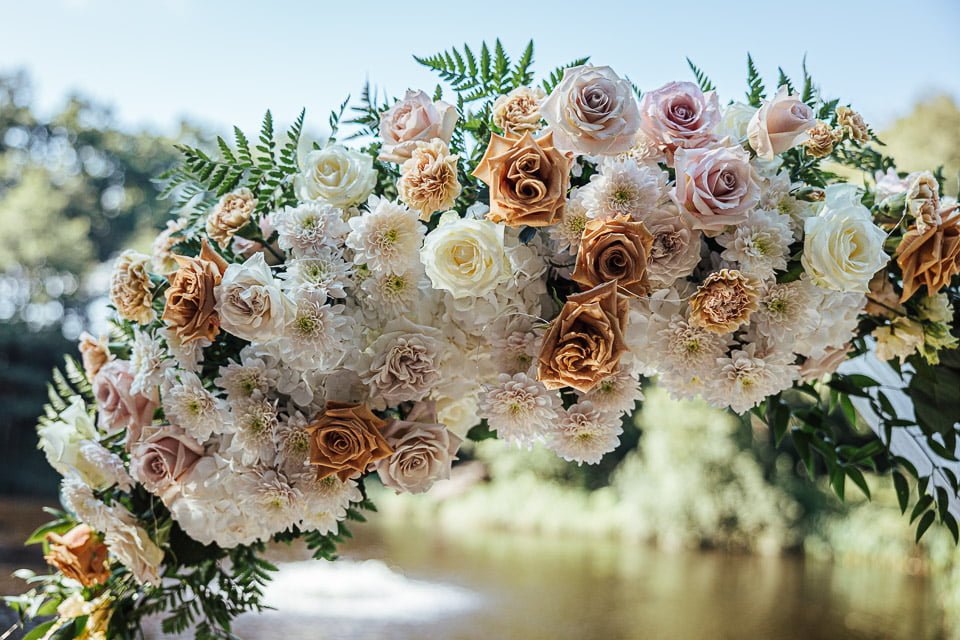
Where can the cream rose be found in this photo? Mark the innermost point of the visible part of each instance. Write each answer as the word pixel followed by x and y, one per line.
pixel 61 439
pixel 337 175
pixel 414 119
pixel 250 302
pixel 842 248
pixel 734 120
pixel 715 187
pixel 592 111
pixel 780 124
pixel 465 256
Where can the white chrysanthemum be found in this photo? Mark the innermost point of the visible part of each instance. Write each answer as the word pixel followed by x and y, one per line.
pixel 393 294
pixel 189 356
pixel 585 434
pixel 622 187
pixel 293 444
pixel 386 237
pixel 747 376
pixel 326 272
pixel 317 336
pixel 326 501
pixel 783 312
pixel 761 245
pixel 686 349
pixel 520 409
pixel 568 231
pixel 276 502
pixel 682 385
pixel 773 186
pixel 798 211
pixel 834 319
pixel 149 361
pixel 251 379
pixel 253 425
pixel 516 351
pixel 306 229
pixel 618 393
pixel 187 404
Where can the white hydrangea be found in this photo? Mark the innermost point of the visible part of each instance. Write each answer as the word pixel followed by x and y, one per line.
pixel 387 237
pixel 833 323
pixel 760 246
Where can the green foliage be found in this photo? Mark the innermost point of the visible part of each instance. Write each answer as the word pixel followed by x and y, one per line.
pixel 705 83
pixel 756 91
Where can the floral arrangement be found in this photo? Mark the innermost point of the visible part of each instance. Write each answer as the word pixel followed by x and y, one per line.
pixel 515 263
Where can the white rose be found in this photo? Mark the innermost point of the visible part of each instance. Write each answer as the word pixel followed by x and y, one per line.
pixel 459 414
pixel 734 120
pixel 465 257
pixel 337 175
pixel 250 302
pixel 843 248
pixel 61 439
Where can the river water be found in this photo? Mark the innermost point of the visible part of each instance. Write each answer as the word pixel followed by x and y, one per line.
pixel 400 582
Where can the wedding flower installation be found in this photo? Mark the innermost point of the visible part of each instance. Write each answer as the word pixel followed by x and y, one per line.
pixel 495 258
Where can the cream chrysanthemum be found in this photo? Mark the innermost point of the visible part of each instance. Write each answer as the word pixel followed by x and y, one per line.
pixel 783 312
pixel 394 293
pixel 686 349
pixel 747 376
pixel 387 237
pixel 187 404
pixel 293 444
pixel 617 394
pixel 317 336
pixel 585 434
pixel 305 229
pixel 622 187
pixel 325 272
pixel 253 425
pixel 326 501
pixel 520 409
pixel 761 245
pixel 569 229
pixel 251 379
pixel 149 361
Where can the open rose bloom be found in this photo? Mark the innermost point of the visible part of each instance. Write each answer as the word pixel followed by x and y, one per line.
pixel 501 252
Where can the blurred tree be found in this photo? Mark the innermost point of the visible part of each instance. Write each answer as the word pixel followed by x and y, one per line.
pixel 929 135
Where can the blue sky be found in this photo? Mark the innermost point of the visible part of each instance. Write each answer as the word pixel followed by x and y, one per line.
pixel 223 63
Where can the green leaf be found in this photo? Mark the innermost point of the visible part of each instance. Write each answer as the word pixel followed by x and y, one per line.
pixel 922 505
pixel 59 526
pixel 705 83
pixel 756 93
pixel 925 523
pixel 903 490
pixel 39 631
pixel 858 479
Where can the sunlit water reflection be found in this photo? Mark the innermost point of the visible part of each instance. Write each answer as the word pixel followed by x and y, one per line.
pixel 406 584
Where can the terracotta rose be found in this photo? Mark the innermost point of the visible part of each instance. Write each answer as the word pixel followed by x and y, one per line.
pixel 79 554
pixel 584 343
pixel 345 440
pixel 191 308
pixel 930 258
pixel 528 179
pixel 614 249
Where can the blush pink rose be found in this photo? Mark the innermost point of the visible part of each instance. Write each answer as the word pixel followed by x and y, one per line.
pixel 780 124
pixel 161 458
pixel 715 187
pixel 118 408
pixel 414 119
pixel 423 451
pixel 679 115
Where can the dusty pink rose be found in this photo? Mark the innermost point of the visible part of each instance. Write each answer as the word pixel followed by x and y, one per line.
pixel 118 408
pixel 679 115
pixel 414 119
pixel 162 456
pixel 422 451
pixel 780 124
pixel 715 187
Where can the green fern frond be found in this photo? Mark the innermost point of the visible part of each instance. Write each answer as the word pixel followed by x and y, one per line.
pixel 809 93
pixel 705 83
pixel 784 80
pixel 757 92
pixel 556 75
pixel 522 75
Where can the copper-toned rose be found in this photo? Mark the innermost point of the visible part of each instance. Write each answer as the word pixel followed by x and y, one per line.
pixel 191 309
pixel 528 179
pixel 584 344
pixel 614 249
pixel 79 554
pixel 345 440
pixel 931 257
pixel 724 301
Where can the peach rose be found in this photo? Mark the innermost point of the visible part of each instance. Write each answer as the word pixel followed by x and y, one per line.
pixel 780 124
pixel 585 341
pixel 414 119
pixel 930 258
pixel 715 187
pixel 191 308
pixel 79 554
pixel 724 301
pixel 528 179
pixel 231 214
pixel 94 352
pixel 131 291
pixel 679 114
pixel 118 408
pixel 614 249
pixel 162 456
pixel 345 440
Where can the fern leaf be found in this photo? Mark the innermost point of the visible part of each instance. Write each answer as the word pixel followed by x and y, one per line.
pixel 705 83
pixel 557 74
pixel 757 93
pixel 521 72
pixel 783 80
